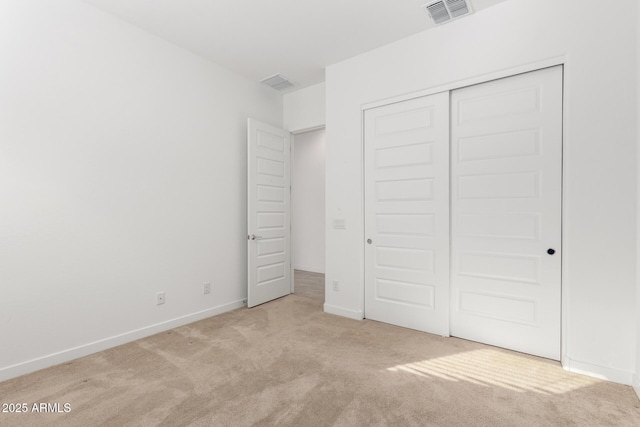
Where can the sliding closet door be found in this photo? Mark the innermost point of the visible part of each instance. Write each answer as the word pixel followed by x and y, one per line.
pixel 506 172
pixel 407 214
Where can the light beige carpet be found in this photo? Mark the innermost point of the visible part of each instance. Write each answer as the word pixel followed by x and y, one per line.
pixel 287 363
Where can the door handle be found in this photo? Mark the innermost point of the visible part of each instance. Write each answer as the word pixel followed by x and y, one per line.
pixel 254 237
pixel 551 251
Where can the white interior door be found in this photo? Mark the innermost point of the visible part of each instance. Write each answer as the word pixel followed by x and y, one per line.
pixel 407 214
pixel 506 173
pixel 268 216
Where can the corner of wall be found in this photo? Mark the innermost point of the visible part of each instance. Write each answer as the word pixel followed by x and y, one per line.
pixel 596 371
pixel 304 109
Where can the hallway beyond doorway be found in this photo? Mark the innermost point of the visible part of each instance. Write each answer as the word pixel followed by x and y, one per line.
pixel 309 284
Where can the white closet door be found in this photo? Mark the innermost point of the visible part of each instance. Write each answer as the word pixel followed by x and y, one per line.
pixel 407 214
pixel 506 171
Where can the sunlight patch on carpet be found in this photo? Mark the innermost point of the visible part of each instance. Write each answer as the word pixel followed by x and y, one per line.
pixel 489 368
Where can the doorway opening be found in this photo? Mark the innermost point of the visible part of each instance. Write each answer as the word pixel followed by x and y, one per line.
pixel 308 213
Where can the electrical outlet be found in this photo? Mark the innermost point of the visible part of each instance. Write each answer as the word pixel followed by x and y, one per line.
pixel 160 298
pixel 206 288
pixel 336 285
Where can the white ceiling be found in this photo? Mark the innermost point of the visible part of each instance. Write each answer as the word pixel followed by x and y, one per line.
pixel 259 38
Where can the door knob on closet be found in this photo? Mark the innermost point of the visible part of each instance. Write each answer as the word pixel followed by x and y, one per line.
pixel 551 251
pixel 254 237
pixel 369 241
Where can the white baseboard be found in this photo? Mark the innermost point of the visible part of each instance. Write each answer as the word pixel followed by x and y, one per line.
pixel 96 346
pixel 309 268
pixel 636 384
pixel 344 312
pixel 596 371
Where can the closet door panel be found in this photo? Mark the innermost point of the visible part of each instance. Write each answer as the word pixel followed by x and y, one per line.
pixel 407 214
pixel 506 198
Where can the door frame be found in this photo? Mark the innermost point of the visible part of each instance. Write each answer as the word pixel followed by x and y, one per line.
pixel 484 78
pixel 251 122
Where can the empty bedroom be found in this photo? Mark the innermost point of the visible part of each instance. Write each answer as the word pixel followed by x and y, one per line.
pixel 319 213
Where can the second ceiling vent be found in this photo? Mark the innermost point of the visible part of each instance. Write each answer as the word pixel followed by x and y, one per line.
pixel 445 10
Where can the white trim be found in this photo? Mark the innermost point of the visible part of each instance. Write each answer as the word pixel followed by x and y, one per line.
pixel 596 371
pixel 361 229
pixel 96 346
pixel 310 269
pixel 508 72
pixel 292 248
pixel 635 383
pixel 565 281
pixel 344 312
pixel 305 130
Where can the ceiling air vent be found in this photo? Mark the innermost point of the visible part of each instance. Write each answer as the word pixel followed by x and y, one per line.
pixel 278 82
pixel 446 10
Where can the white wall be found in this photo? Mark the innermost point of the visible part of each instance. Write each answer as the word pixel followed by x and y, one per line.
pixel 599 244
pixel 304 109
pixel 122 173
pixel 307 199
